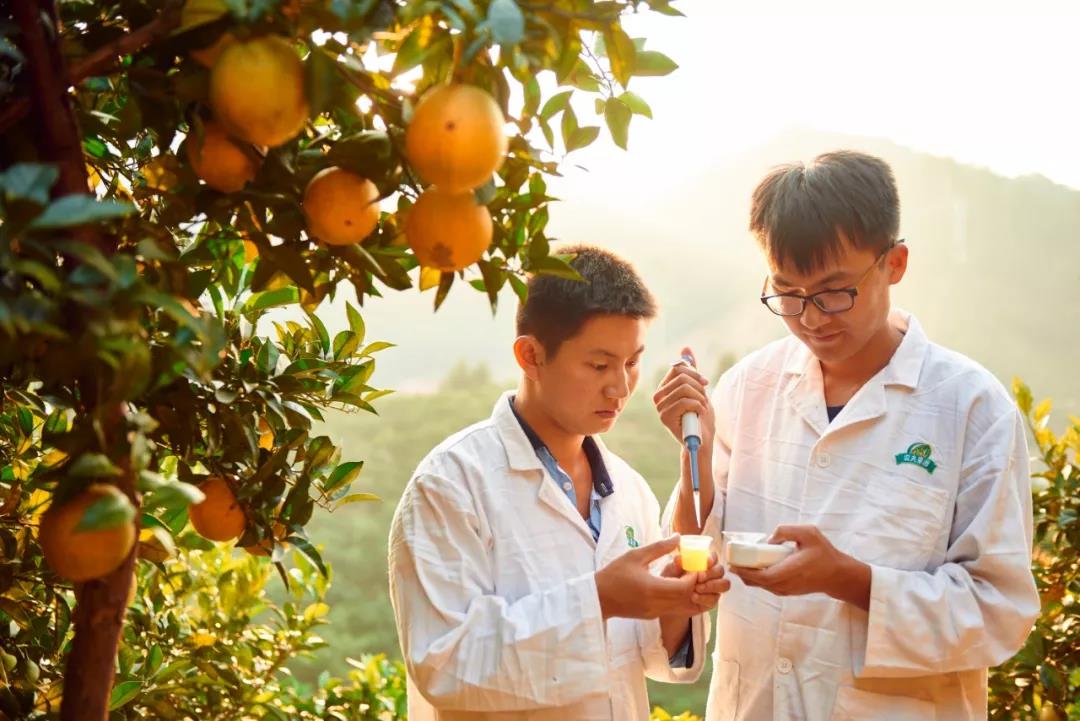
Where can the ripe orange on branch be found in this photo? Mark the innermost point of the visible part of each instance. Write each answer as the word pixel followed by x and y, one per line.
pixel 219 160
pixel 455 139
pixel 83 555
pixel 257 90
pixel 448 231
pixel 219 517
pixel 341 207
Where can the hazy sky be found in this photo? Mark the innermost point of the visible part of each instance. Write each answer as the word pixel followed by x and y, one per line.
pixel 985 83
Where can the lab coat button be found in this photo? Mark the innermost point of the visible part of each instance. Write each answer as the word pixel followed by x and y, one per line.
pixel 566 487
pixel 783 665
pixel 823 460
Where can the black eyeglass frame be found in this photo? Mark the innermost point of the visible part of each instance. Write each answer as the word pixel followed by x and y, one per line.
pixel 853 291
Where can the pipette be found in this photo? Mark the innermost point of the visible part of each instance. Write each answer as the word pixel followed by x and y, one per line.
pixel 691 433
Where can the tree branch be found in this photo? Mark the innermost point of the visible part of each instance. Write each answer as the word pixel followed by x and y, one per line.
pixel 103 59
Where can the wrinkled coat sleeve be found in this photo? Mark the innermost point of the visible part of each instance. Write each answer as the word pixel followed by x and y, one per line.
pixel 467 648
pixel 976 609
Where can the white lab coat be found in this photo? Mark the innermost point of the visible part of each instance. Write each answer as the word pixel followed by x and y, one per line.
pixel 492 579
pixel 952 590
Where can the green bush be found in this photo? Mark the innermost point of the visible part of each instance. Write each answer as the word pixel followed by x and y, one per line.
pixel 1043 680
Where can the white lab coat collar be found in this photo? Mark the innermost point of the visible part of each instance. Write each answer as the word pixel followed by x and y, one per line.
pixel 519 451
pixel 805 385
pixel 521 456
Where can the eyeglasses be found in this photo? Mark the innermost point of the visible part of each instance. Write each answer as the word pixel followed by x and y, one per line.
pixel 832 300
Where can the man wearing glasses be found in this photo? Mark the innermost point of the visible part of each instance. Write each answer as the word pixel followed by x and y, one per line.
pixel 896 469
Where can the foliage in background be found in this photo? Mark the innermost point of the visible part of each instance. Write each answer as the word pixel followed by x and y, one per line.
pixel 1043 680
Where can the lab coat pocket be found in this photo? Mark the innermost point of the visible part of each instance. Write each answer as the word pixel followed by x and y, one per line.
pixel 723 703
pixel 853 704
pixel 901 522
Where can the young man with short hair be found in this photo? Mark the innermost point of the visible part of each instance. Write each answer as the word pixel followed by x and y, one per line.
pixel 520 552
pixel 897 468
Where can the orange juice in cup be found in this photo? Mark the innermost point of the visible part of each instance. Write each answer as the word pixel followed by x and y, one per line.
pixel 694 551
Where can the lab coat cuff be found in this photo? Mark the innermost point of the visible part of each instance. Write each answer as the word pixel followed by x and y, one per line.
pixel 875 634
pixel 658 666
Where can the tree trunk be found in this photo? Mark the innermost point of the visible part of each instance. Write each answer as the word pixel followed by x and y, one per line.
pixel 99 614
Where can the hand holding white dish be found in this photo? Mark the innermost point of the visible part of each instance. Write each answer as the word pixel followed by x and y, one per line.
pixel 750 550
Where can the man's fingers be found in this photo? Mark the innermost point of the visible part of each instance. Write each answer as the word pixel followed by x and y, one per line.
pixel 657 549
pixel 797 534
pixel 720 585
pixel 677 389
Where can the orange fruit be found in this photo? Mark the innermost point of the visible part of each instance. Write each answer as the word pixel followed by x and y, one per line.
pixel 257 90
pixel 456 139
pixel 266 435
pixel 83 555
pixel 341 208
pixel 219 517
pixel 219 160
pixel 448 231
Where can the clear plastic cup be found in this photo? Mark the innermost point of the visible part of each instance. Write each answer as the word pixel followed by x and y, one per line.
pixel 694 551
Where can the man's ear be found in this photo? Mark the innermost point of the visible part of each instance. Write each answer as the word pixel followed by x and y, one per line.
pixel 529 354
pixel 897 263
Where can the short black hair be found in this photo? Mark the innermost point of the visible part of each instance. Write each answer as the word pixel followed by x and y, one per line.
pixel 802 216
pixel 556 308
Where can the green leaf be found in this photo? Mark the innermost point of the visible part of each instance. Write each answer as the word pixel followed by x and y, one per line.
pixel 637 105
pixel 582 137
pixel 519 287
pixel 649 63
pixel 89 256
pixel 153 660
pixel 1023 395
pixel 414 50
pixel 267 358
pixel 556 104
pixel 123 693
pixel 621 54
pixel 358 498
pixel 322 80
pixel 309 552
pixel 617 116
pixel 532 96
pixel 79 210
pixel 356 321
pixel 569 126
pixel 343 475
pixel 345 344
pixel 320 328
pixel 375 347
pixel 29 181
pixel 506 22
pixel 108 511
pixel 93 465
pixel 272 299
pixel 445 282
pixel 174 494
pixel 554 265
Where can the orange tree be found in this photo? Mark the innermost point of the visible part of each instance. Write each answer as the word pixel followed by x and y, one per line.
pixel 170 173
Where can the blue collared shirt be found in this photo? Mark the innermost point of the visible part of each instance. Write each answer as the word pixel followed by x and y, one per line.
pixel 601 488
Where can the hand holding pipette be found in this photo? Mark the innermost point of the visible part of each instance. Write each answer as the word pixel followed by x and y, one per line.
pixel 682 402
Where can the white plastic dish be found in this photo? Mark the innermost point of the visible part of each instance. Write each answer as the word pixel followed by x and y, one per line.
pixel 749 550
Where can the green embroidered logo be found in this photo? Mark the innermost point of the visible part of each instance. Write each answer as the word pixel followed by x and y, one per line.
pixel 630 540
pixel 919 455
